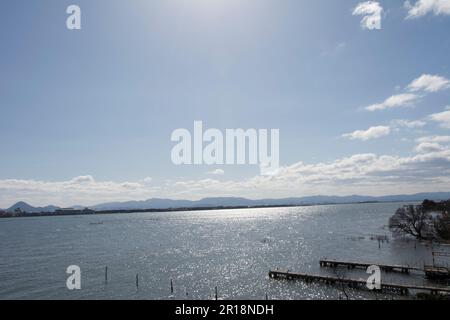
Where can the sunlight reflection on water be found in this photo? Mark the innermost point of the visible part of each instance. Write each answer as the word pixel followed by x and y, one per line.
pixel 230 249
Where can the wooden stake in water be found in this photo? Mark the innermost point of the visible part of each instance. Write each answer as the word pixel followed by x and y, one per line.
pixel 171 286
pixel 216 292
pixel 106 274
pixel 137 281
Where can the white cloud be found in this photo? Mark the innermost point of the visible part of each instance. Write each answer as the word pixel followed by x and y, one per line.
pixel 79 190
pixel 399 100
pixel 82 180
pixel 423 7
pixel 426 147
pixel 340 47
pixel 148 180
pixel 411 124
pixel 217 172
pixel 426 83
pixel 371 133
pixel 432 144
pixel 443 118
pixel 357 174
pixel 372 11
pixel 429 83
pixel 438 139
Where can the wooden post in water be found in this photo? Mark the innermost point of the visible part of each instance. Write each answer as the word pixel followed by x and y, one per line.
pixel 216 293
pixel 137 282
pixel 171 286
pixel 106 274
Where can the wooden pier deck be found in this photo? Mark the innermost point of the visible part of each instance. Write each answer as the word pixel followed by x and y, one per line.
pixel 355 283
pixel 352 265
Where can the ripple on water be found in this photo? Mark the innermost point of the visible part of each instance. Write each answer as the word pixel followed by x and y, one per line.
pixel 232 250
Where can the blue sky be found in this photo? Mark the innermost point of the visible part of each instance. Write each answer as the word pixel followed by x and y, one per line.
pixel 86 116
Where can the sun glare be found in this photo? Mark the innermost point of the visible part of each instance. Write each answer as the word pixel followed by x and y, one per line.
pixel 213 8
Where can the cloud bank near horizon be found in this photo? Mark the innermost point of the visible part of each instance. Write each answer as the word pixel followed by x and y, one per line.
pixel 426 170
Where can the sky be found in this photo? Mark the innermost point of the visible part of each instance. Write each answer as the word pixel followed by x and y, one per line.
pixel 358 90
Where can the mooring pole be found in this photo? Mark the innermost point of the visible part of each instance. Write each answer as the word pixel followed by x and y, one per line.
pixel 216 292
pixel 137 281
pixel 106 274
pixel 171 286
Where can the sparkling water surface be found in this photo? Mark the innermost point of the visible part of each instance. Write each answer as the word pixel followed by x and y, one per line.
pixel 232 250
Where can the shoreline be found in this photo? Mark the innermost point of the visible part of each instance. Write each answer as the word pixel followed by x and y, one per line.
pixel 187 209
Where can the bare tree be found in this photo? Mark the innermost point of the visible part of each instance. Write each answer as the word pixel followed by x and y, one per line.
pixel 442 226
pixel 411 220
pixel 441 217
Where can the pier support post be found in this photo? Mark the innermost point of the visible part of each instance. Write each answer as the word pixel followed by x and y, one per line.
pixel 137 281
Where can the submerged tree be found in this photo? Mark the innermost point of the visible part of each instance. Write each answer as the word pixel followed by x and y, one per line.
pixel 441 217
pixel 442 226
pixel 430 221
pixel 411 220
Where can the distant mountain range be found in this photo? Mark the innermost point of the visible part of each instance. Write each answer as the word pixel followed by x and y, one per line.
pixel 238 202
pixel 25 207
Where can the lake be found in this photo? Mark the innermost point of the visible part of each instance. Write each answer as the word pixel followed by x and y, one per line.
pixel 232 250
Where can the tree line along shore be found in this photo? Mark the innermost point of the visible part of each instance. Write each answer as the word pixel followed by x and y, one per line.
pixel 427 221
